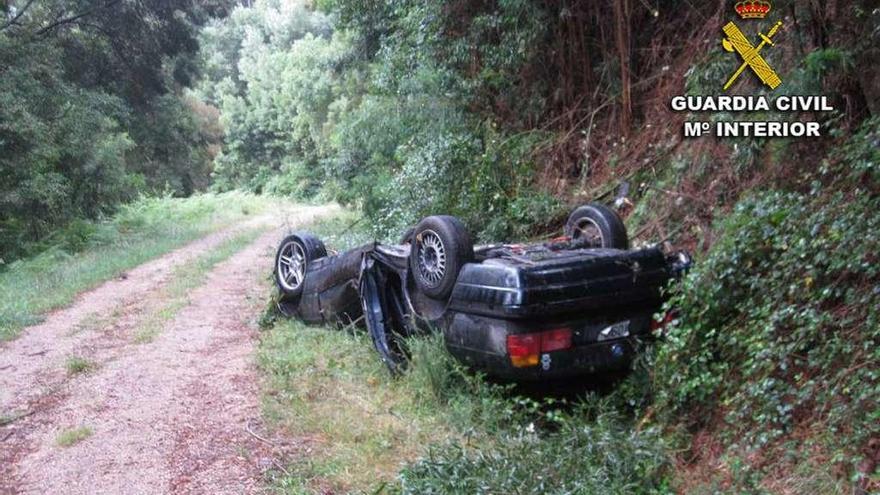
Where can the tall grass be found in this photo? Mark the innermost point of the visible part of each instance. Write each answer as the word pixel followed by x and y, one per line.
pixel 94 252
pixel 588 455
pixel 328 390
pixel 439 428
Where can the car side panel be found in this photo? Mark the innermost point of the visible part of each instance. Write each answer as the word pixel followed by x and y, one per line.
pixel 341 303
pixel 330 287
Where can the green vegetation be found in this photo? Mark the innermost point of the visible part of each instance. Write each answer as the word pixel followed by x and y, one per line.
pixel 588 454
pixel 94 321
pixel 93 111
pixel 102 250
pixel 73 436
pixel 78 364
pixel 328 389
pixel 443 429
pixel 514 444
pixel 6 418
pixel 780 325
pixel 501 113
pixel 304 111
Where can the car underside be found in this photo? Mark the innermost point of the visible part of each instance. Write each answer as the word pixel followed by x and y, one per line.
pixel 526 312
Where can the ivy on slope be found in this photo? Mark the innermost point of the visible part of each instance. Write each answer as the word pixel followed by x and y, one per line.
pixel 778 338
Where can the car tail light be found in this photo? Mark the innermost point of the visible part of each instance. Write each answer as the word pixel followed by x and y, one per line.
pixel 556 340
pixel 525 349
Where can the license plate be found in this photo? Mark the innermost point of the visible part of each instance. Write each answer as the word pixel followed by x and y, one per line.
pixel 616 331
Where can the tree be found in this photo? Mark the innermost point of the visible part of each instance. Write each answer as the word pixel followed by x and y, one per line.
pixel 91 109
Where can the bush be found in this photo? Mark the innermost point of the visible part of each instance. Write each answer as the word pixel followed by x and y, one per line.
pixel 780 323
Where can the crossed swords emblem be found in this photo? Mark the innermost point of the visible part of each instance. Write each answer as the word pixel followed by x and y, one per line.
pixel 737 41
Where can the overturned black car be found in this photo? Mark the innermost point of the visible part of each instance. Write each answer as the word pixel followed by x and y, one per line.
pixel 525 312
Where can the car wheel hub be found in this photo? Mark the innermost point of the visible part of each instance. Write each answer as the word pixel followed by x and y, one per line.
pixel 291 266
pixel 589 233
pixel 432 258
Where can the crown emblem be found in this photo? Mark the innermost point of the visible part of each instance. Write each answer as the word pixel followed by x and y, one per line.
pixel 752 9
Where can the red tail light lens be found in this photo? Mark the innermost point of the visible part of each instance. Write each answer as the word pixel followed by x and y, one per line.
pixel 525 349
pixel 556 340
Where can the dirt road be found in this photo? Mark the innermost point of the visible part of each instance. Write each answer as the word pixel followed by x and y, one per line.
pixel 176 413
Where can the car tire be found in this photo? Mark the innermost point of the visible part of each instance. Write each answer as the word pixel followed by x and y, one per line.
pixel 597 225
pixel 292 258
pixel 406 238
pixel 441 245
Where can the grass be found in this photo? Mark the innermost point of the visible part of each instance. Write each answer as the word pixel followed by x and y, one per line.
pixel 7 418
pixel 139 232
pixel 76 365
pixel 601 454
pixel 184 279
pixel 151 327
pixel 94 321
pixel 330 390
pixel 73 436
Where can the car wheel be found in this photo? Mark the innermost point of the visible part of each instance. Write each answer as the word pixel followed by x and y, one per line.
pixel 596 225
pixel 441 245
pixel 294 254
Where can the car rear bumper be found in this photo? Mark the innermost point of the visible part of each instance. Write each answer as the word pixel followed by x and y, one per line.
pixel 597 358
pixel 481 343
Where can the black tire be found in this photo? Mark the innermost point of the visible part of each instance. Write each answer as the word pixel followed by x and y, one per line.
pixel 597 226
pixel 301 249
pixel 406 238
pixel 441 245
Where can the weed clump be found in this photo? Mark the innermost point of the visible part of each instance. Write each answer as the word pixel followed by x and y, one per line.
pixel 73 436
pixel 76 365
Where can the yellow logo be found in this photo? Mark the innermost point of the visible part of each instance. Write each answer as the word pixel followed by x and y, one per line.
pixel 737 41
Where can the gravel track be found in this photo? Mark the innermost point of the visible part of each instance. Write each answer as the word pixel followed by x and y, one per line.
pixel 178 414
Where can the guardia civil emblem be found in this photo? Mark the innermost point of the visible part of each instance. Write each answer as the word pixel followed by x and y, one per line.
pixel 750 54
